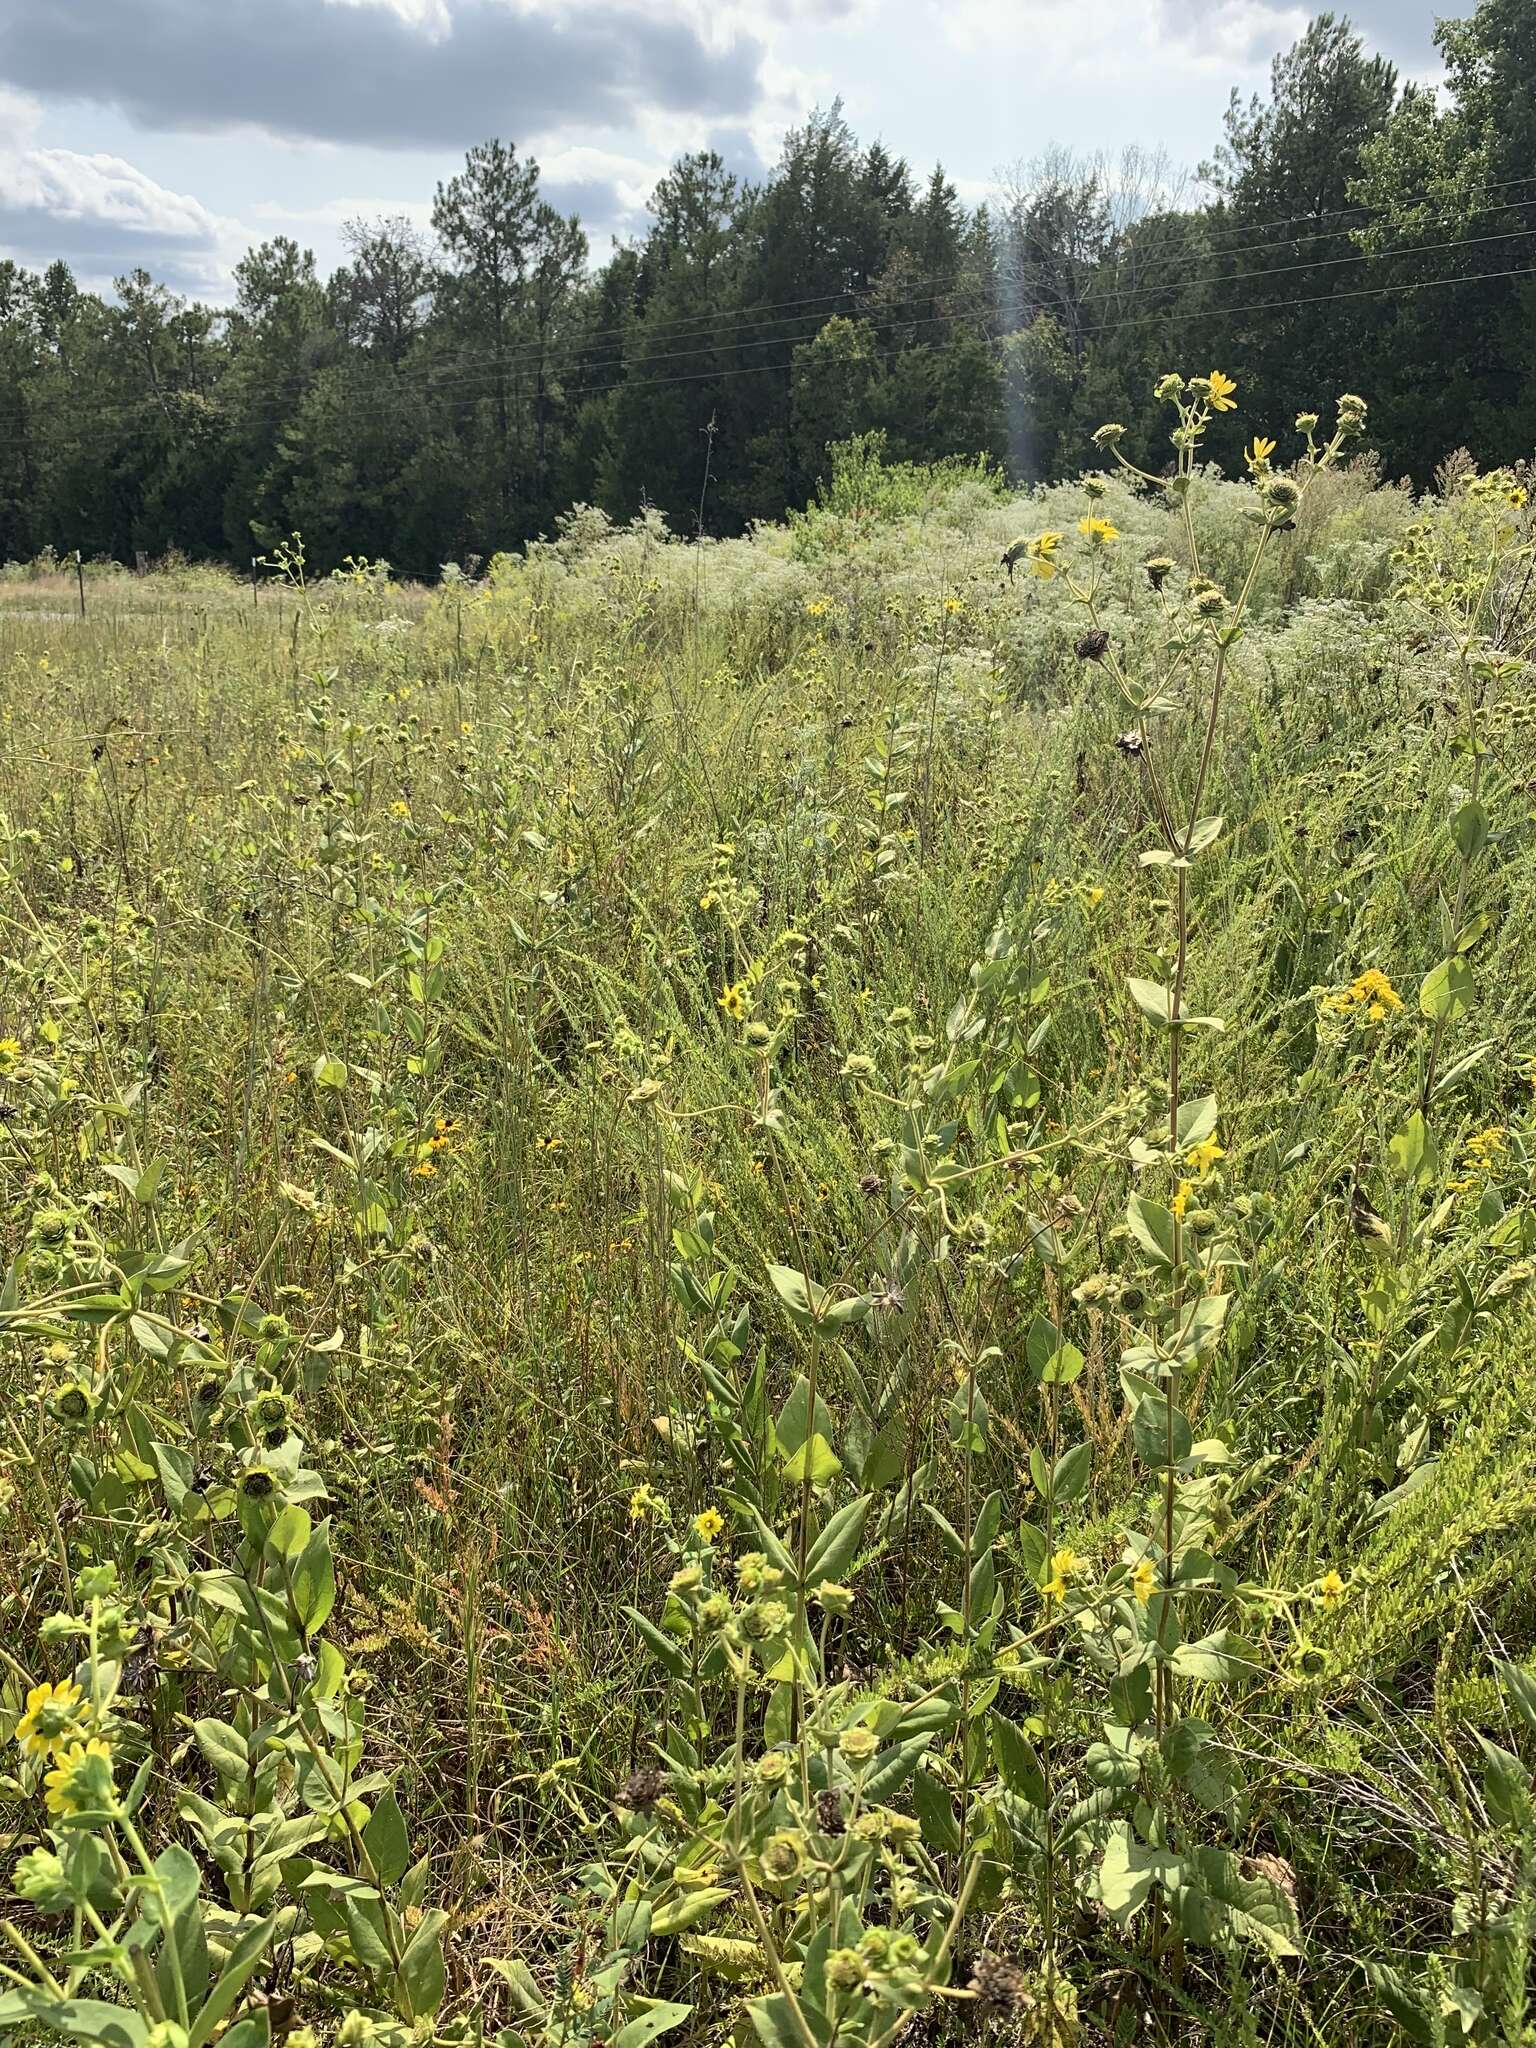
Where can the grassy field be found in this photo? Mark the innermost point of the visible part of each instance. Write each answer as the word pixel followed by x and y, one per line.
pixel 780 1289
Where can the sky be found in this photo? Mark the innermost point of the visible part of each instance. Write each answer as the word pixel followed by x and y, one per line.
pixel 172 134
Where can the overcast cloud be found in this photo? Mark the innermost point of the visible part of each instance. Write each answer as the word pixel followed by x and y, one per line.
pixel 172 132
pixel 346 73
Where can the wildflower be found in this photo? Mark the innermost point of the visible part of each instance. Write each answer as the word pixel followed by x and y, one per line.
pixel 53 1718
pixel 733 1000
pixel 1483 1146
pixel 1282 494
pixel 707 1526
pixel 1169 385
pixel 81 1779
pixel 1157 569
pixel 1222 390
pixel 818 607
pixel 10 1053
pixel 1257 454
pixel 400 808
pixel 40 1879
pixel 1180 1201
pixel 1306 423
pixel 1209 603
pixel 844 1969
pixel 1144 1581
pixel 999 1984
pixel 832 1597
pixel 1371 992
pixel 424 1169
pixel 765 1619
pixel 856 1745
pixel 1131 744
pixel 1109 435
pixel 646 1503
pixel 1093 646
pixel 1098 532
pixel 1203 1157
pixel 829 1813
pixel 256 1482
pixel 783 1855
pixel 1041 553
pixel 1331 1590
pixel 642 1788
pixel 74 1402
pixel 952 606
pixel 1066 1564
pixel 1352 410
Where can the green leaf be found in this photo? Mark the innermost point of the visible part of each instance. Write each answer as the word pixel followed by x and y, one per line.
pixel 837 1546
pixel 1196 1121
pixel 314 1581
pixel 1414 1151
pixel 1127 1873
pixel 1154 1001
pixel 422 1975
pixel 1152 1227
pixel 239 1963
pixel 1219 1905
pixel 935 1813
pixel 90 2019
pixel 658 2018
pixel 1446 992
pixel 386 1840
pixel 687 1909
pixel 1150 1432
pixel 774 2023
pixel 329 1072
pixel 802 1299
pixel 1403 2001
pixel 1017 1764
pixel 892 1768
pixel 1071 1474
pixel 668 1654
pixel 815 1460
pixel 1469 830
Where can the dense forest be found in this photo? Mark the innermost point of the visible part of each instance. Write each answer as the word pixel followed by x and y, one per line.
pixel 448 395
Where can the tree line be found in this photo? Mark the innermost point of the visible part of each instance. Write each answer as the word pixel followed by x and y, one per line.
pixel 448 394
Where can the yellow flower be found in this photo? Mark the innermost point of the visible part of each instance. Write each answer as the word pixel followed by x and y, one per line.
pixel 425 1170
pixel 1054 1589
pixel 1099 532
pixel 1066 1564
pixel 646 1501
pixel 1222 388
pixel 1371 992
pixel 10 1051
pixel 733 1000
pixel 1041 553
pixel 708 1525
pixel 1258 453
pixel 1144 1581
pixel 1180 1201
pixel 818 607
pixel 1482 1147
pixel 400 808
pixel 52 1719
pixel 1331 1590
pixel 1203 1157
pixel 953 605
pixel 81 1779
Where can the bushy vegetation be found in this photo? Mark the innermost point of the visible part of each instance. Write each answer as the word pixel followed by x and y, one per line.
pixel 779 1290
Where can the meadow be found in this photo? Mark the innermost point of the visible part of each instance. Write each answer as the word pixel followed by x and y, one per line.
pixel 779 1290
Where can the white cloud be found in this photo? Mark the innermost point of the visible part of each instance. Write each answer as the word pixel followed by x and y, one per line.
pixel 102 214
